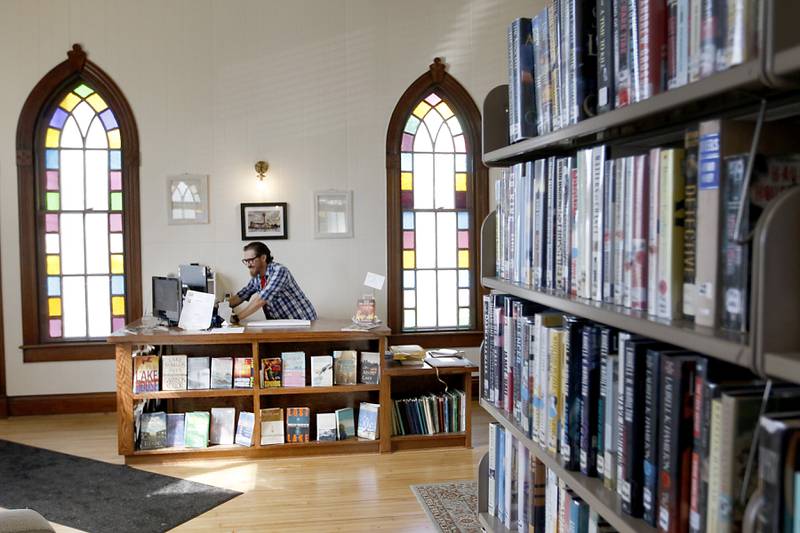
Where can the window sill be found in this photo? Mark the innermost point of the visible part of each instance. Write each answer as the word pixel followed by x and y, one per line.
pixel 440 339
pixel 72 351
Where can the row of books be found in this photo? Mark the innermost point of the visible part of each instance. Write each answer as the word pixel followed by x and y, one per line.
pixel 646 232
pixel 180 372
pixel 577 58
pixel 668 429
pixel 199 429
pixel 524 494
pixel 445 412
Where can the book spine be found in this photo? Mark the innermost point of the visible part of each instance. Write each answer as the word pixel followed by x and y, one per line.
pixel 708 209
pixel 571 383
pixel 653 228
pixel 575 227
pixel 597 179
pixel 736 256
pixel 609 192
pixel 492 488
pixel 628 239
pixel 619 229
pixel 538 509
pixel 585 215
pixel 634 430
pixel 652 416
pixel 514 122
pixel 550 214
pixel 639 235
pixel 708 47
pixel 589 399
pixel 605 56
pixel 621 32
pixel 519 351
pixel 567 194
pixel 695 34
pixel 523 487
pixel 670 235
pixel 652 46
pixel 696 509
pixel 672 44
pixel 690 222
pixel 500 508
pixel 487 337
pixel 554 389
pixel 776 512
pixel 724 14
pixel 537 380
pixel 585 73
pixel 602 399
pixel 507 391
pixel 562 176
pixel 553 27
pixel 682 52
pixel 499 327
pixel 635 64
pixel 715 442
pixel 612 427
pixel 729 458
pixel 621 485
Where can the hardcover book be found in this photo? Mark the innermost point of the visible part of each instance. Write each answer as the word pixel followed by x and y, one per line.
pixel 294 369
pixel 222 425
pixel 326 426
pixel 272 426
pixel 690 144
pixel 199 373
pixel 173 370
pixel 271 372
pixel 522 111
pixel 175 430
pixel 368 421
pixel 196 426
pixel 344 367
pixel 243 373
pixel 321 371
pixel 221 372
pixel 345 424
pixel 298 424
pixel 244 429
pixel 145 373
pixel 370 368
pixel 153 431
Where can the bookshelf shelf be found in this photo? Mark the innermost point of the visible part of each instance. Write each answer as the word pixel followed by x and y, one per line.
pixel 400 371
pixel 726 345
pixel 198 393
pixel 591 490
pixel 340 389
pixel 437 440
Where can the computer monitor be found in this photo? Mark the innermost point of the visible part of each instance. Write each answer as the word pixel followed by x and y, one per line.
pixel 194 277
pixel 167 299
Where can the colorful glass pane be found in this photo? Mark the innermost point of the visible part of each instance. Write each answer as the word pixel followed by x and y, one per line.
pixel 53 201
pixel 52 180
pixel 97 102
pixel 51 138
pixel 83 90
pixel 70 101
pixel 117 305
pixel 408 142
pixel 407 199
pixel 408 259
pixel 463 220
pixel 433 99
pixel 408 279
pixel 116 201
pixel 117 323
pixel 411 125
pixel 58 118
pixel 421 109
pixel 461 181
pixel 115 222
pixel 53 286
pixel 445 110
pixel 463 239
pixel 463 278
pixel 53 265
pixel 117 264
pixel 458 142
pixel 406 181
pixel 51 223
pixel 461 200
pixel 55 328
pixel 463 259
pixel 116 180
pixel 51 159
pixel 117 284
pixel 115 160
pixel 408 240
pixel 114 140
pixel 54 306
pixel 409 298
pixel 408 220
pixel 109 120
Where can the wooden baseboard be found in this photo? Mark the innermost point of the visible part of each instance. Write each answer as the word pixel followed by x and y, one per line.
pixel 59 404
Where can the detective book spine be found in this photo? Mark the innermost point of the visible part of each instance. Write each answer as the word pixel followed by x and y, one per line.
pixel 671 215
pixel 590 384
pixel 708 201
pixel 652 414
pixel 609 243
pixel 690 144
pixel 639 234
pixel 605 56
pixel 571 383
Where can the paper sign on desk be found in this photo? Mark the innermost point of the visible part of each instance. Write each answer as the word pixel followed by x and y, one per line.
pixel 374 281
pixel 224 310
pixel 197 310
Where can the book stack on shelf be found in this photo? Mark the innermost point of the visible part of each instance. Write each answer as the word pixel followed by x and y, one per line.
pixel 154 373
pixel 430 414
pixel 195 429
pixel 289 370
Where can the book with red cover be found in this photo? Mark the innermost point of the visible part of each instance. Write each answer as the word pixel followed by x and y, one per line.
pixel 271 372
pixel 145 373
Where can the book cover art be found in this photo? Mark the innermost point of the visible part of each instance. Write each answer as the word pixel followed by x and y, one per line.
pixel 272 426
pixel 196 426
pixel 145 373
pixel 222 425
pixel 271 372
pixel 173 372
pixel 243 373
pixel 294 369
pixel 298 424
pixel 175 430
pixel 368 421
pixel 344 368
pixel 199 373
pixel 321 371
pixel 345 424
pixel 221 372
pixel 326 426
pixel 153 431
pixel 370 368
pixel 244 429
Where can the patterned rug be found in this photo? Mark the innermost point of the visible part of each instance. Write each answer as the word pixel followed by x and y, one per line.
pixel 452 507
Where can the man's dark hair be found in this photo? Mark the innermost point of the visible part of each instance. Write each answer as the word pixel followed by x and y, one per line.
pixel 260 249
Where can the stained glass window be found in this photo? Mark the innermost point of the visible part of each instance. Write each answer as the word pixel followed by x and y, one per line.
pixel 436 223
pixel 83 234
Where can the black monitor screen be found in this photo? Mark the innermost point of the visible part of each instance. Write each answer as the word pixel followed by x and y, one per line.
pixel 193 277
pixel 166 297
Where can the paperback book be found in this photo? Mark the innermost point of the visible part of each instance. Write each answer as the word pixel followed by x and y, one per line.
pixel 294 369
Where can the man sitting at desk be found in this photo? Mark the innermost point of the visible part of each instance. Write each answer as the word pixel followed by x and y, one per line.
pixel 272 288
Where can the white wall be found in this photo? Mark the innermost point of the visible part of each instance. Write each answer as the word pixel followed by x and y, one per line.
pixel 217 85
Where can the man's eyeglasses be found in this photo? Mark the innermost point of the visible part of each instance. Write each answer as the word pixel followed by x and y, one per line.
pixel 249 260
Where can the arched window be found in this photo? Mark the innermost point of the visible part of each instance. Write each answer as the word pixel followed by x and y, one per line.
pixel 77 162
pixel 437 197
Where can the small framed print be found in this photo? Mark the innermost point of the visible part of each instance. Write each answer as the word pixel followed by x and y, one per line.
pixel 264 221
pixel 333 214
pixel 187 199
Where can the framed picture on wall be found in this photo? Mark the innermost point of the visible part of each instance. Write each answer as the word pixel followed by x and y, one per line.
pixel 187 199
pixel 333 214
pixel 264 221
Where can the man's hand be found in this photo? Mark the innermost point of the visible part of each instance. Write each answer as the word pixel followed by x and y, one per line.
pixel 234 318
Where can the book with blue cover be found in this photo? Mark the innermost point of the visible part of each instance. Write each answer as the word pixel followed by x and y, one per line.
pixel 175 430
pixel 368 420
pixel 345 424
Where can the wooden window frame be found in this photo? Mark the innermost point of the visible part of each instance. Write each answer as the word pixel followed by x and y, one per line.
pixel 30 167
pixel 449 89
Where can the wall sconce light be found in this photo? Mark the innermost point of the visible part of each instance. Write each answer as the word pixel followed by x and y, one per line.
pixel 261 171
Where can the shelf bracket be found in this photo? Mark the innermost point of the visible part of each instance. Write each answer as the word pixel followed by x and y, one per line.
pixel 488 248
pixel 745 198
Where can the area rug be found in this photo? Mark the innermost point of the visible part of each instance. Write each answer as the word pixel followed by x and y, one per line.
pixel 96 496
pixel 452 507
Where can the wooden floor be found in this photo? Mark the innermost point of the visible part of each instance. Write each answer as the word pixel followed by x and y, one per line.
pixel 368 492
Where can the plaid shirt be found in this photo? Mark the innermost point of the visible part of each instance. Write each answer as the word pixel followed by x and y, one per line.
pixel 283 295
